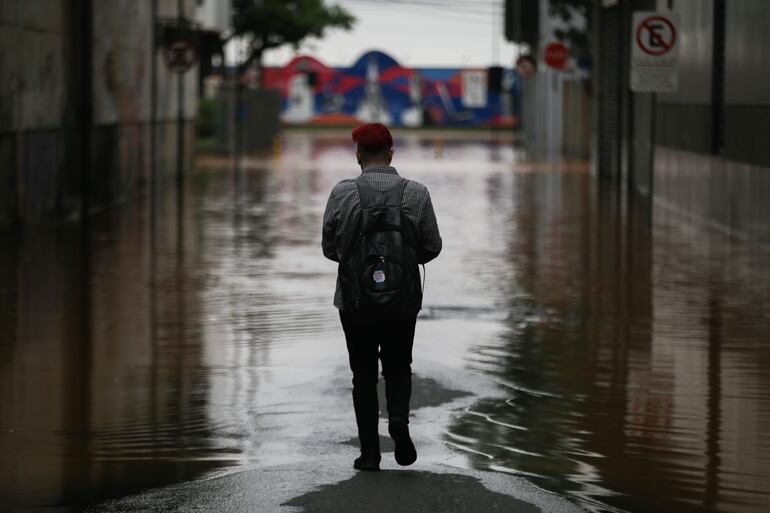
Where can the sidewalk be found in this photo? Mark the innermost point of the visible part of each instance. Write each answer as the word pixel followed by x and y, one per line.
pixel 329 484
pixel 306 463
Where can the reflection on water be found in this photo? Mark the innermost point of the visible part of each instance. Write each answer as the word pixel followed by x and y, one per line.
pixel 634 361
pixel 630 357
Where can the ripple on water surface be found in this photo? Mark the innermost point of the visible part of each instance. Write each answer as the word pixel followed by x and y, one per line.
pixel 629 361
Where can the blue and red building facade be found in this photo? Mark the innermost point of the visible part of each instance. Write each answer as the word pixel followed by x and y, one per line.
pixel 376 88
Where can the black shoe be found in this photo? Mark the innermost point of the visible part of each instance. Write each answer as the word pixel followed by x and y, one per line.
pixel 405 451
pixel 367 461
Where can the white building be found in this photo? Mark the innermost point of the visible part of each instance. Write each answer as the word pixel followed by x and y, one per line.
pixel 214 15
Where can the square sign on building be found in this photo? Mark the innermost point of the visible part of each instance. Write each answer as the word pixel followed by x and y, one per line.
pixel 655 52
pixel 474 88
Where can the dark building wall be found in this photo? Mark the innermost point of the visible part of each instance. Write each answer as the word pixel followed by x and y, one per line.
pixel 614 105
pixel 702 150
pixel 8 187
pixel 684 117
pixel 42 98
pixel 711 159
pixel 123 62
pixel 747 81
pixel 576 125
pixel 260 112
pixel 33 49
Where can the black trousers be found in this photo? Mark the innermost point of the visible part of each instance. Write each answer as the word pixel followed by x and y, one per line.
pixel 391 344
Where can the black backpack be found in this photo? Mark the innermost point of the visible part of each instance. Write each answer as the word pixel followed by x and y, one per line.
pixel 379 273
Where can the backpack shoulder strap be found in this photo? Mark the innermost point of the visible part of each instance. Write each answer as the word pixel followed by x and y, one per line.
pixel 371 197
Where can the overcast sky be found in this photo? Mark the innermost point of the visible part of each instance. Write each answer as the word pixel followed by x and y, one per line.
pixel 449 33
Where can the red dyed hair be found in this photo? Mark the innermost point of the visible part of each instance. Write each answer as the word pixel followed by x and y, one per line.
pixel 373 138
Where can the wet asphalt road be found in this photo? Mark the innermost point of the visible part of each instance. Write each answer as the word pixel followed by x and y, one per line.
pixel 570 354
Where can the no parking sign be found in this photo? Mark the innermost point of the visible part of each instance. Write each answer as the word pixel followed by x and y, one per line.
pixel 655 52
pixel 180 56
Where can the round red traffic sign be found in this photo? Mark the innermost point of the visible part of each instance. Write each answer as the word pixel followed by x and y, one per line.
pixel 656 35
pixel 556 55
pixel 180 56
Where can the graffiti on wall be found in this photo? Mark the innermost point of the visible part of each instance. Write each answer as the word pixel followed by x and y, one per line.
pixel 378 89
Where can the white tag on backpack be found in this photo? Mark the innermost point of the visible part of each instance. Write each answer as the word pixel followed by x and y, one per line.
pixel 378 276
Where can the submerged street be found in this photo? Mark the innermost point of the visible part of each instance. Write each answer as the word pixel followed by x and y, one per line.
pixel 574 350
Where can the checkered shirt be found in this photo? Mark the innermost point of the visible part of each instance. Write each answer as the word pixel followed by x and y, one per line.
pixel 344 208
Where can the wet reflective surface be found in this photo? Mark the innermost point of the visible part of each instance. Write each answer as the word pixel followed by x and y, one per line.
pixel 622 361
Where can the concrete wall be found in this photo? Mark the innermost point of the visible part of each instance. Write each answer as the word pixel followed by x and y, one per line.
pixel 33 45
pixel 747 81
pixel 40 178
pixel 122 98
pixel 711 160
pixel 727 194
pixel 259 114
pixel 702 150
pixel 556 112
pixel 576 109
pixel 684 118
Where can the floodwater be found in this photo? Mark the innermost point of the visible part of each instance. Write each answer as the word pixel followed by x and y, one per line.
pixel 612 356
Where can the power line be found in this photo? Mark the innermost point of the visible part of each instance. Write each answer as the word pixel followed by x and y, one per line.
pixel 434 9
pixel 471 18
pixel 465 7
pixel 463 3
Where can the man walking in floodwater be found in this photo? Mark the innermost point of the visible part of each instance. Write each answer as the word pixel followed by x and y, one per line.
pixel 379 227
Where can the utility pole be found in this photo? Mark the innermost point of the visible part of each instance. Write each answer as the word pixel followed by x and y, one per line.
pixel 83 14
pixel 153 102
pixel 182 25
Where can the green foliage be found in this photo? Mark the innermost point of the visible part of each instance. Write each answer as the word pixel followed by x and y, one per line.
pixel 566 10
pixel 272 23
pixel 207 112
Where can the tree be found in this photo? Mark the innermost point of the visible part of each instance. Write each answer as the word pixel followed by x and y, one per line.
pixel 266 24
pixel 569 11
